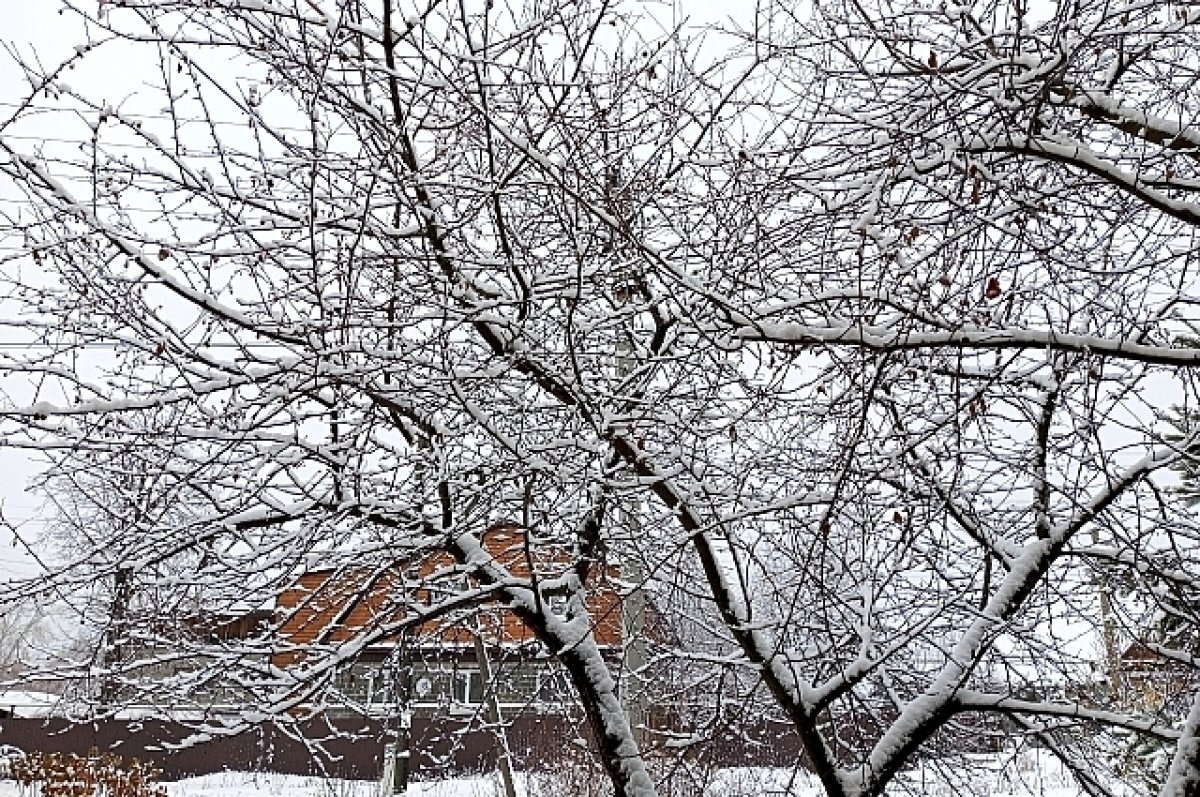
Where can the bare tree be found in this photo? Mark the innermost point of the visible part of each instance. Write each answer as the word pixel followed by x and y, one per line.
pixel 854 324
pixel 99 513
pixel 19 632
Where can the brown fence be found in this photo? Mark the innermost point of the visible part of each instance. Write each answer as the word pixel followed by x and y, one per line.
pixel 352 747
pixel 347 748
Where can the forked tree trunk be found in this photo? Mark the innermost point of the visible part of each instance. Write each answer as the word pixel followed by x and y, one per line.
pixel 594 684
pixel 618 748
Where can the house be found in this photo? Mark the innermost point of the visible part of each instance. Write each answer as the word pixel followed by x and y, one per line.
pixel 448 662
pixel 1153 680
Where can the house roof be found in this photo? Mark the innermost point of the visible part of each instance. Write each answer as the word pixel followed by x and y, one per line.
pixel 334 606
pixel 1140 656
pixel 1137 652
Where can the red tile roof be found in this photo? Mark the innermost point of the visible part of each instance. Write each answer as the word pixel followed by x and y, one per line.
pixel 328 607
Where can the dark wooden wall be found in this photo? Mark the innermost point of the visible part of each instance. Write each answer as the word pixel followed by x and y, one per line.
pixel 352 747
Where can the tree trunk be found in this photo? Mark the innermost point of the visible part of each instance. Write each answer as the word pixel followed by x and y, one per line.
pixel 113 652
pixel 403 689
pixel 619 751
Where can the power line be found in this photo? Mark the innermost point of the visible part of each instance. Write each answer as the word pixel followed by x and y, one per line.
pixel 160 117
pixel 83 142
pixel 26 346
pixel 218 212
pixel 224 153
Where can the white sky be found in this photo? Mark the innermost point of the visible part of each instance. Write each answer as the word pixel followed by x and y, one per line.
pixel 31 25
pixel 26 23
pixel 36 26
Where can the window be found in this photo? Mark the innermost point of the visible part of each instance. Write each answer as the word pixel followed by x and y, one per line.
pixel 352 681
pixel 551 687
pixel 467 687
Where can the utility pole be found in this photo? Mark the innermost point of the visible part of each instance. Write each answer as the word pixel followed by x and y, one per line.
pixel 633 621
pixel 1108 632
pixel 633 604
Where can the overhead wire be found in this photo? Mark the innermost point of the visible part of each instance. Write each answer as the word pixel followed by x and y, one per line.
pixel 149 116
pixel 29 345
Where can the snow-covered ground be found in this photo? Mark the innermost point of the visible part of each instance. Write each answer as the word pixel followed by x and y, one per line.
pixel 27 703
pixel 250 784
pixel 241 784
pixel 1028 775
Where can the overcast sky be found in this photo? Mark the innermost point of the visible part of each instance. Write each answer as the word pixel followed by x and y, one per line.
pixel 27 24
pixel 37 27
